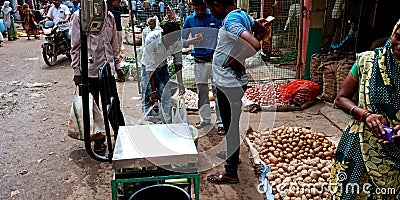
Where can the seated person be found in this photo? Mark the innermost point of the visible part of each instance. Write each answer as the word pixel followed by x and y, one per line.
pixel 348 43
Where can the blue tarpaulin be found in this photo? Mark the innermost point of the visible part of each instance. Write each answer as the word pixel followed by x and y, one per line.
pixel 265 186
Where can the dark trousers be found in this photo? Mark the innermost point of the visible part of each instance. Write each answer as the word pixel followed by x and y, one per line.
pixel 230 107
pixel 94 89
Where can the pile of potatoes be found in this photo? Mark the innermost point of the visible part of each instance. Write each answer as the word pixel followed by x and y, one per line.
pixel 299 159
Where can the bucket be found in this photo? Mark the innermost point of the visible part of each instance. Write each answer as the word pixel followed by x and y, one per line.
pixel 160 191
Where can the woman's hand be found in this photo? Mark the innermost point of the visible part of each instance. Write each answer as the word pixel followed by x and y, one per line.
pixel 375 123
pixel 397 136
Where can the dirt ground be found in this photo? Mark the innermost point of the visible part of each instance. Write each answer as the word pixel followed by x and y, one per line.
pixel 38 159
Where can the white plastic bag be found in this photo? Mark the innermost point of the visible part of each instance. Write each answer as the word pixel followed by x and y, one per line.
pixel 179 113
pixel 75 124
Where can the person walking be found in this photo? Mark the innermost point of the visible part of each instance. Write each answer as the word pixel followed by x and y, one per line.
pixel 238 38
pixel 364 155
pixel 116 9
pixel 155 77
pixel 102 47
pixel 203 29
pixel 29 22
pixel 75 6
pixel 8 20
pixel 162 9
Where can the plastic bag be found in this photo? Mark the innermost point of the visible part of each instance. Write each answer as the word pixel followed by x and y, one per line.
pixel 75 124
pixel 179 113
pixel 299 92
pixel 3 28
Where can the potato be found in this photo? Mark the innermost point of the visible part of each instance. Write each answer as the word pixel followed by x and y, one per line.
pixel 325 175
pixel 273 159
pixel 328 153
pixel 325 170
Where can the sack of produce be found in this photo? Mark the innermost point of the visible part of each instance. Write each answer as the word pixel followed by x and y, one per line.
pixel 299 92
pixel 315 72
pixel 329 78
pixel 342 71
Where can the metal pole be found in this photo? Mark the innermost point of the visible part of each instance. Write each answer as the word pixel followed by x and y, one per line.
pixel 134 45
pixel 84 87
pixel 300 43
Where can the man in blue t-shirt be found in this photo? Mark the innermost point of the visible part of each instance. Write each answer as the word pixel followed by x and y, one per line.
pixel 116 9
pixel 203 29
pixel 238 38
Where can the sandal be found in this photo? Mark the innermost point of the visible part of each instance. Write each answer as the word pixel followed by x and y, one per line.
pixel 221 131
pixel 200 125
pixel 222 178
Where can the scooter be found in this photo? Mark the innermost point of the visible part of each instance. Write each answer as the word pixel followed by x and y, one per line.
pixel 55 44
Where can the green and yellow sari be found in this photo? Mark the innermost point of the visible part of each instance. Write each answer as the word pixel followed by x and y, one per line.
pixel 362 167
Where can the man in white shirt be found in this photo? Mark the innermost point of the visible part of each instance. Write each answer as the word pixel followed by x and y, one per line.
pixel 155 77
pixel 60 14
pixel 151 26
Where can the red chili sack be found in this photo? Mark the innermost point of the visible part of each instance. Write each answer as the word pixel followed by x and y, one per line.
pixel 299 92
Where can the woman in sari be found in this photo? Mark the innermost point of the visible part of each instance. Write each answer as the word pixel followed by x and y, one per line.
pixel 8 19
pixel 29 22
pixel 366 166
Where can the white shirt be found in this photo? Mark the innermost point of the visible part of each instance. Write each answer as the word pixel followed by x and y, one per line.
pixel 338 9
pixel 59 14
pixel 155 53
pixel 146 31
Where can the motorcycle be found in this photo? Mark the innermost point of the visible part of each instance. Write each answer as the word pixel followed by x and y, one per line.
pixel 55 43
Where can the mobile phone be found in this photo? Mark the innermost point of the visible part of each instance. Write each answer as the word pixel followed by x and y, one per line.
pixel 389 132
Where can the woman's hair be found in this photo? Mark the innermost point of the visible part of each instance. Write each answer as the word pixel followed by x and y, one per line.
pixel 223 2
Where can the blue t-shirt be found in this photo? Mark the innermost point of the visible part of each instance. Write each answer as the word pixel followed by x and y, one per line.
pixel 74 8
pixel 208 26
pixel 234 24
pixel 117 11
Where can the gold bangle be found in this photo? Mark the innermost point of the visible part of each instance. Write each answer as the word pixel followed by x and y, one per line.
pixel 351 109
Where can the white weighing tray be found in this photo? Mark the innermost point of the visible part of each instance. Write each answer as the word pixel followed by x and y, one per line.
pixel 154 145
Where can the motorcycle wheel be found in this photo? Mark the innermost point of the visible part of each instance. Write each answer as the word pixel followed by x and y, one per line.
pixel 49 57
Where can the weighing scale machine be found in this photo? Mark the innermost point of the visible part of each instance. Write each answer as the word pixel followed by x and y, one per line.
pixel 169 148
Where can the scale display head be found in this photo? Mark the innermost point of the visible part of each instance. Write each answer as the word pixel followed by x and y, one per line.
pixel 93 15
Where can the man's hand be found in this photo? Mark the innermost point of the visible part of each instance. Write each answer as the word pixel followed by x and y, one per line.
pixel 154 97
pixel 77 79
pixel 181 88
pixel 236 66
pixel 121 76
pixel 197 39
